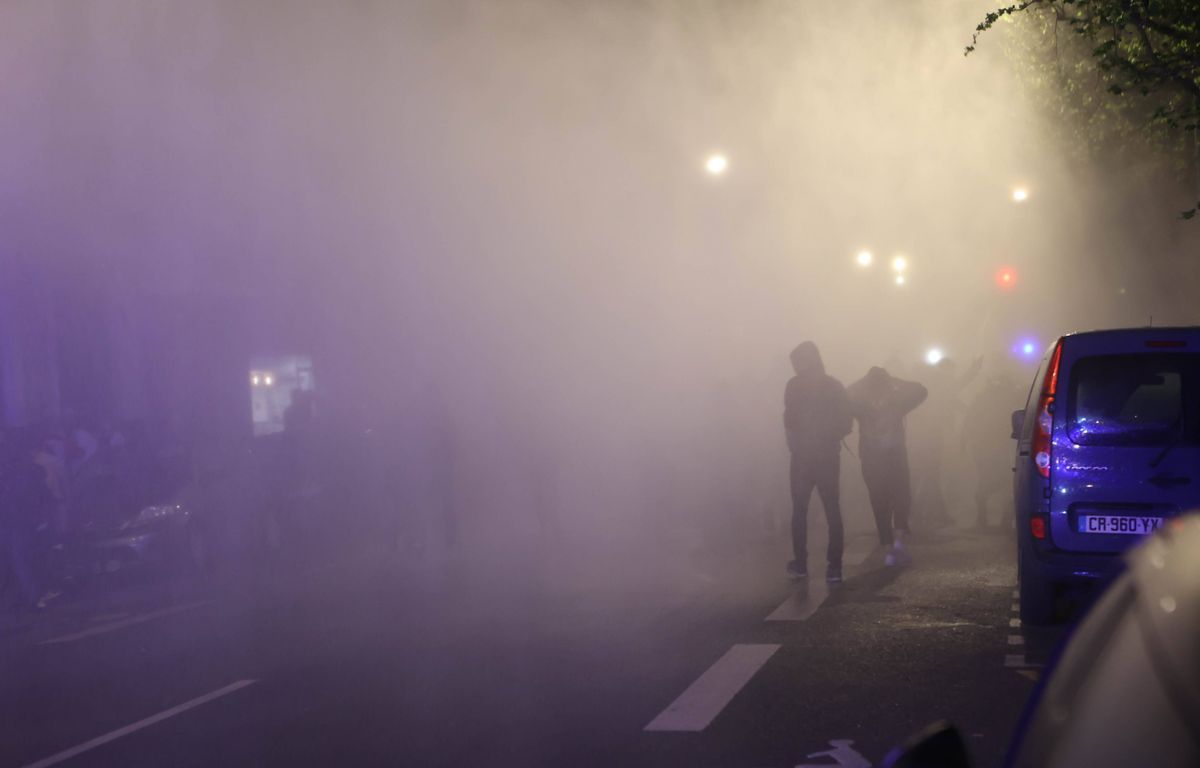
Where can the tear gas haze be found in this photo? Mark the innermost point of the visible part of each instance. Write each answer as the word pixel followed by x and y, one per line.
pixel 505 202
pixel 502 200
pixel 569 245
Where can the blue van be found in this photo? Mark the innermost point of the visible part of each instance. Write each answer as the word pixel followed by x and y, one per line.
pixel 1108 447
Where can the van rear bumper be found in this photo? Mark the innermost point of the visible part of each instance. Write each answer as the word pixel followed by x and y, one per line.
pixel 1062 567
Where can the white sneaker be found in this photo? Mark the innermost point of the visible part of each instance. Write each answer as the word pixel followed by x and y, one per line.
pixel 898 555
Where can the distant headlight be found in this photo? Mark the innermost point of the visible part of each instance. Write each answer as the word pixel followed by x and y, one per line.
pixel 159 512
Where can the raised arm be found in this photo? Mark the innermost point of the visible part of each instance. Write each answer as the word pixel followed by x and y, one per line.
pixel 908 395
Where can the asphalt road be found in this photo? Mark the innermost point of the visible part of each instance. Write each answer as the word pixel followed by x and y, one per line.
pixel 706 657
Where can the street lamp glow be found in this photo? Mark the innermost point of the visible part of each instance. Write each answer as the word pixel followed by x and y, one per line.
pixel 934 356
pixel 1020 194
pixel 716 164
pixel 899 264
pixel 901 280
pixel 864 258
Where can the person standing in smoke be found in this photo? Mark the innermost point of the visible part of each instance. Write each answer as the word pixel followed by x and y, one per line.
pixel 816 416
pixel 880 402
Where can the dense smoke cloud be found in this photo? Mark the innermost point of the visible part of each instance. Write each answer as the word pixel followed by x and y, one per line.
pixel 505 204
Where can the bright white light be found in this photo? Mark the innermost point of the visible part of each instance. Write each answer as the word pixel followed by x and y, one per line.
pixel 268 379
pixel 901 280
pixel 1020 194
pixel 934 356
pixel 864 258
pixel 254 380
pixel 1028 348
pixel 716 164
pixel 899 264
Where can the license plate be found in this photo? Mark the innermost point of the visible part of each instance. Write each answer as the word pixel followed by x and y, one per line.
pixel 1119 524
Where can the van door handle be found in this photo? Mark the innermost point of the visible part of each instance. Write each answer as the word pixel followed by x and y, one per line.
pixel 1169 481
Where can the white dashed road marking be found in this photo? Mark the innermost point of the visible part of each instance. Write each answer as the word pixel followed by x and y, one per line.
pixel 802 603
pixel 810 593
pixel 856 555
pixel 1018 661
pixel 86 746
pixel 856 558
pixel 704 699
pixel 112 627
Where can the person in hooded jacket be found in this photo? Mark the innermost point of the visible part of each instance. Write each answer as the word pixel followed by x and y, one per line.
pixel 880 402
pixel 816 416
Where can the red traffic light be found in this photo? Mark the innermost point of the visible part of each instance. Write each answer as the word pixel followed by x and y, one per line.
pixel 1006 278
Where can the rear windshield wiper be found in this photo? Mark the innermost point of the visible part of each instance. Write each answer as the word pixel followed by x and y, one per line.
pixel 1177 427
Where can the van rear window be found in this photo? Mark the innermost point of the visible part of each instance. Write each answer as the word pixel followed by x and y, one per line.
pixel 1134 400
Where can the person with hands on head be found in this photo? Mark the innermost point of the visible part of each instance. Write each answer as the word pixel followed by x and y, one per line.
pixel 880 402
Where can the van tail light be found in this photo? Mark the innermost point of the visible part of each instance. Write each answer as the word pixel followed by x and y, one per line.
pixel 1037 527
pixel 1043 429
